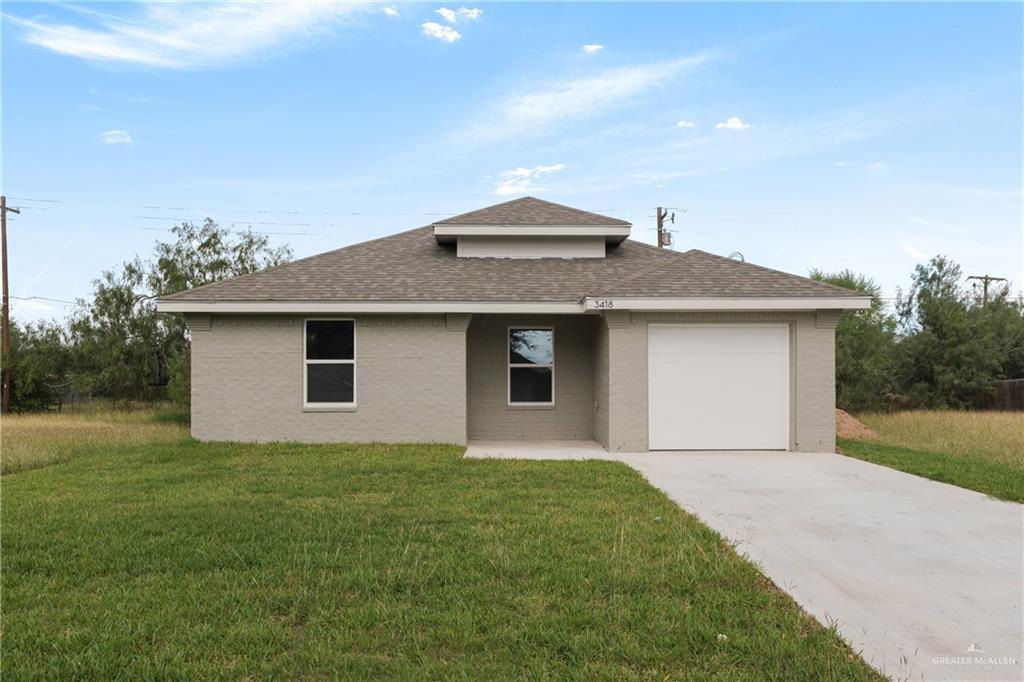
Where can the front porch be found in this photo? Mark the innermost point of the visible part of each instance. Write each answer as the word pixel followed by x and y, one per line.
pixel 561 404
pixel 560 450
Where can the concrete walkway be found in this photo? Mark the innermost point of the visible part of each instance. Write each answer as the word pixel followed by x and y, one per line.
pixel 925 579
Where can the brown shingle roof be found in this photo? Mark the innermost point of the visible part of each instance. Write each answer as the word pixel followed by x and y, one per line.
pixel 412 266
pixel 531 211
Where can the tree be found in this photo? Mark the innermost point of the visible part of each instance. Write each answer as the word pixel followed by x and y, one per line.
pixel 1004 319
pixel 948 355
pixel 122 347
pixel 864 346
pixel 39 362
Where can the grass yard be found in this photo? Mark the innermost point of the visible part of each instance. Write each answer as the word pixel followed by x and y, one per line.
pixel 29 441
pixel 182 560
pixel 983 451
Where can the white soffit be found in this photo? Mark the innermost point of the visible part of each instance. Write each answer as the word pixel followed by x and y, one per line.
pixel 537 307
pixel 612 233
pixel 727 303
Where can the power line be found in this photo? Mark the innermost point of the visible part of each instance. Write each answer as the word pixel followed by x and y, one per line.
pixel 292 234
pixel 43 298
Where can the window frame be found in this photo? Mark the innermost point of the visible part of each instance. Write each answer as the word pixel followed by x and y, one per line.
pixel 509 365
pixel 306 362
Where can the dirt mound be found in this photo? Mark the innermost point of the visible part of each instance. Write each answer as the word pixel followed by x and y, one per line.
pixel 849 427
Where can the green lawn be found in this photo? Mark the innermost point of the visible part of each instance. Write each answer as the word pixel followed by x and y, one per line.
pixel 982 451
pixel 217 561
pixel 975 473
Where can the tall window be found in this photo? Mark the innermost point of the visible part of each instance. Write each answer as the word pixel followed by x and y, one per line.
pixel 531 366
pixel 330 379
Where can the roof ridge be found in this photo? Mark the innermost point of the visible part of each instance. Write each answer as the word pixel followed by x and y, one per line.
pixel 844 290
pixel 646 271
pixel 527 202
pixel 293 262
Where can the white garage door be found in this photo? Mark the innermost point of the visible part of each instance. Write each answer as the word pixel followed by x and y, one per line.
pixel 718 387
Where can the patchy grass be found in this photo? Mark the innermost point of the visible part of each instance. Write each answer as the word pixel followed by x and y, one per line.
pixel 982 451
pixel 994 436
pixel 197 561
pixel 30 441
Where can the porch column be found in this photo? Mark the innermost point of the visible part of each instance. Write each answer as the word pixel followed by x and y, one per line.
pixel 626 380
pixel 457 324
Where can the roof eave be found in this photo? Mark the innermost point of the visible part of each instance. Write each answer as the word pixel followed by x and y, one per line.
pixel 588 304
pixel 727 303
pixel 613 234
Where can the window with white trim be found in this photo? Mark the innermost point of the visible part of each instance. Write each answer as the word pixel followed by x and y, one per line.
pixel 531 366
pixel 330 363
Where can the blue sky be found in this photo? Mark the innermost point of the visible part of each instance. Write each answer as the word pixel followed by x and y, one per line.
pixel 862 136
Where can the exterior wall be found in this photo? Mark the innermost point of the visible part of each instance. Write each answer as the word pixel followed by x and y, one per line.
pixel 530 247
pixel 490 415
pixel 812 338
pixel 601 384
pixel 247 380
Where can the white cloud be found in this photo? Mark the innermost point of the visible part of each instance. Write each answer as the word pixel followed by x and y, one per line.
pixel 592 48
pixel 188 35
pixel 842 164
pixel 116 137
pixel 684 124
pixel 733 123
pixel 390 11
pixel 436 30
pixel 914 252
pixel 453 15
pixel 530 111
pixel 877 166
pixel 521 180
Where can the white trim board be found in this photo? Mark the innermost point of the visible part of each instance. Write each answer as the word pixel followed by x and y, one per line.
pixel 533 230
pixel 327 307
pixel 736 303
pixel 590 304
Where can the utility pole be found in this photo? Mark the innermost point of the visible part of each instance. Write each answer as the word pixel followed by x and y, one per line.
pixel 664 236
pixel 6 332
pixel 985 279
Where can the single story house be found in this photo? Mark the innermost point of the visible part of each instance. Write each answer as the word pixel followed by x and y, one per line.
pixel 526 320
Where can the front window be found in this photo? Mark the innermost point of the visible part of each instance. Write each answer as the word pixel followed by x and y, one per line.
pixel 330 361
pixel 531 366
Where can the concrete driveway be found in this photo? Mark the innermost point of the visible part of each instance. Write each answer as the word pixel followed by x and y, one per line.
pixel 924 579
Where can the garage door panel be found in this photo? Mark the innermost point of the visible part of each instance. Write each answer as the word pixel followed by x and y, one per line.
pixel 719 387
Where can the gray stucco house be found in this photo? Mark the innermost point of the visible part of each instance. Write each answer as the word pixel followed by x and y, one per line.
pixel 526 320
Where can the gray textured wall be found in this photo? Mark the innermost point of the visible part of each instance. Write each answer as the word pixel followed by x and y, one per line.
pixel 601 383
pixel 410 381
pixel 490 416
pixel 813 396
pixel 415 382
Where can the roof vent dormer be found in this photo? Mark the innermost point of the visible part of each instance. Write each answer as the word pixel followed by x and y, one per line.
pixel 531 228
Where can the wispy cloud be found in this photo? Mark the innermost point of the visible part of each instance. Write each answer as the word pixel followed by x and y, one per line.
pixel 453 15
pixel 523 180
pixel 534 110
pixel 433 29
pixel 188 35
pixel 390 11
pixel 592 48
pixel 914 252
pixel 685 124
pixel 116 137
pixel 732 123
